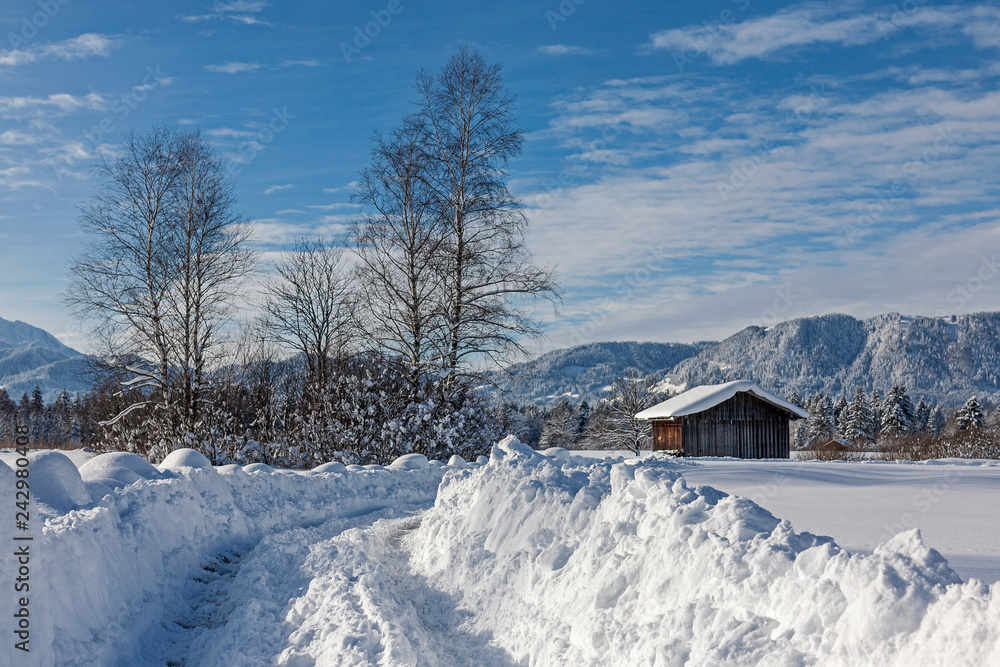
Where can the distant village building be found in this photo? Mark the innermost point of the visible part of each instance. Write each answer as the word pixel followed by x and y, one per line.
pixel 733 419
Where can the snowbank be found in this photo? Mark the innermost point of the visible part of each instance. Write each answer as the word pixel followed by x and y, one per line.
pixel 103 572
pixel 56 484
pixel 622 563
pixel 185 458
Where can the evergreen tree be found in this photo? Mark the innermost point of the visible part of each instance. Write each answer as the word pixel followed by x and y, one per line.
pixel 795 399
pixel 818 427
pixel 7 406
pixel 936 422
pixel 897 412
pixel 858 422
pixel 840 414
pixel 37 402
pixel 583 414
pixel 970 416
pixel 876 409
pixel 831 412
pixel 921 416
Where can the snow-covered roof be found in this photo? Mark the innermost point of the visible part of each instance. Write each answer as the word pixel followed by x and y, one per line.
pixel 707 396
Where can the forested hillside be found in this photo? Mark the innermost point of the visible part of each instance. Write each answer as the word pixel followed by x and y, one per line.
pixel 584 372
pixel 31 357
pixel 945 360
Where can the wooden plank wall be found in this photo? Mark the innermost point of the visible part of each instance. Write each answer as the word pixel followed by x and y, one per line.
pixel 667 436
pixel 743 427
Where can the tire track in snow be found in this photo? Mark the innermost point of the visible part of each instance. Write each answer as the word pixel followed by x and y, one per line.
pixel 338 593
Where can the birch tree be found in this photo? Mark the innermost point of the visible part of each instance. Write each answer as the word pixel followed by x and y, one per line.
pixel 470 136
pixel 161 271
pixel 399 241
pixel 310 306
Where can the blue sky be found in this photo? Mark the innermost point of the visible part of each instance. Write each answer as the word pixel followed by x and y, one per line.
pixel 691 168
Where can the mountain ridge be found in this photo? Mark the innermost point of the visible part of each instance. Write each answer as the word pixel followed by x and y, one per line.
pixel 945 359
pixel 30 357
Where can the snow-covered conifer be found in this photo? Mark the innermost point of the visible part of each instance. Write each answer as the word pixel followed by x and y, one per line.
pixel 970 415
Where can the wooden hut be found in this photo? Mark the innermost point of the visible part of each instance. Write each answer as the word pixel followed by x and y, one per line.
pixel 733 419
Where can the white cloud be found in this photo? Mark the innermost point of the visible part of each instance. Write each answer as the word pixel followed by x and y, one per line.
pixel 748 190
pixel 277 188
pixel 15 138
pixel 237 11
pixel 78 48
pixel 56 104
pixel 563 50
pixel 233 68
pixel 815 23
pixel 242 67
pixel 302 63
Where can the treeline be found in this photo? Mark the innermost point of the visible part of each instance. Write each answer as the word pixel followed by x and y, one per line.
pixel 63 423
pixel 367 346
pixel 608 425
pixel 894 428
pixel 891 427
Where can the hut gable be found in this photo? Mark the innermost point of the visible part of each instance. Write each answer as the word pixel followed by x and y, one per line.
pixel 734 419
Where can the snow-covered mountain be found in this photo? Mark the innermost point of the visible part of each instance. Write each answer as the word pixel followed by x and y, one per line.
pixel 31 357
pixel 944 359
pixel 583 373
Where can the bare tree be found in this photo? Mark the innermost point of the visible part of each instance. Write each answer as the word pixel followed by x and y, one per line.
pixel 310 306
pixel 212 258
pixel 615 425
pixel 486 269
pixel 120 284
pixel 398 243
pixel 162 269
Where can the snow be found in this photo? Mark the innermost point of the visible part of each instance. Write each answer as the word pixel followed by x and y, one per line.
pixel 106 465
pixel 666 386
pixel 704 397
pixel 952 502
pixel 332 466
pixel 626 563
pixel 409 462
pixel 56 483
pixel 457 461
pixel 560 453
pixel 115 578
pixel 185 458
pixel 77 456
pixel 526 559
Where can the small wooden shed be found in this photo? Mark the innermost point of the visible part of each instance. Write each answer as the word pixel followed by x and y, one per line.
pixel 736 419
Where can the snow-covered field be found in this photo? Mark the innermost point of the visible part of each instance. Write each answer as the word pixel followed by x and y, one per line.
pixel 526 559
pixel 954 503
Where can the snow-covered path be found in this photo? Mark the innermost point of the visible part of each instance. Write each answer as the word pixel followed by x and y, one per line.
pixel 526 559
pixel 341 593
